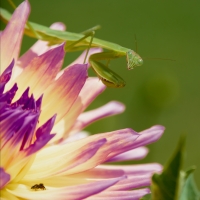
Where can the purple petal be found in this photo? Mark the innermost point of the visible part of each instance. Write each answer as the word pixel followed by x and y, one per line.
pixel 46 128
pixel 4 178
pixel 20 132
pixel 30 104
pixel 39 103
pixel 26 132
pixel 22 100
pixel 38 144
pixel 17 117
pixel 5 76
pixel 43 136
pixel 9 95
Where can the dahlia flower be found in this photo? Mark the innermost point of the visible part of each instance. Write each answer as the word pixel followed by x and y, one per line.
pixel 44 152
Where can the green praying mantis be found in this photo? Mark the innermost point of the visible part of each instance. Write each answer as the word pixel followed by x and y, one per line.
pixel 85 40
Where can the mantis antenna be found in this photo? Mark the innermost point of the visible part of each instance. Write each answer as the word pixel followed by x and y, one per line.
pixel 136 47
pixel 132 58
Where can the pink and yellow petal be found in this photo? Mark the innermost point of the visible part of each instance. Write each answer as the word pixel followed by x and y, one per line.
pixel 40 72
pixel 90 91
pixel 67 123
pixel 120 195
pixel 134 154
pixel 64 90
pixel 81 58
pixel 15 169
pixel 58 181
pixel 64 125
pixel 39 48
pixel 132 182
pixel 62 163
pixel 68 155
pixel 98 173
pixel 86 96
pixel 135 170
pixel 11 37
pixel 149 136
pixel 5 195
pixel 117 141
pixel 76 136
pixel 109 109
pixel 4 178
pixel 65 193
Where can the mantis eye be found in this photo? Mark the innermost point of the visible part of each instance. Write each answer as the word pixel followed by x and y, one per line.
pixel 140 62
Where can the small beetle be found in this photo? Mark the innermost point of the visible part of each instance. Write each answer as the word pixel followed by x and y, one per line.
pixel 38 186
pixel 41 186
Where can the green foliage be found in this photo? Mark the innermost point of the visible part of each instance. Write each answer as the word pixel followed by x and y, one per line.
pixel 146 197
pixel 174 184
pixel 189 190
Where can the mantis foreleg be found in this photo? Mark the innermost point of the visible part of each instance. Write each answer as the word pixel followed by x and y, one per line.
pixel 106 75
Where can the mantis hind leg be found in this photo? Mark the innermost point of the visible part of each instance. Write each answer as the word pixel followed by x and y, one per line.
pixel 73 44
pixel 90 34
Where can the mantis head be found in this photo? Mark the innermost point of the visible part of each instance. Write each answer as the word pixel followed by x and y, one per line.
pixel 133 59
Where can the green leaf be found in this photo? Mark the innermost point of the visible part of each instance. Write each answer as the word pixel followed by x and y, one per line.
pixel 146 197
pixel 166 186
pixel 189 190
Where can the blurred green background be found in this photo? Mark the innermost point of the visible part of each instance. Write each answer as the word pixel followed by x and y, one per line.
pixel 159 92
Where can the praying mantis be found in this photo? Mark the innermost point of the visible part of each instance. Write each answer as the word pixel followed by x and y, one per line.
pixel 76 42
